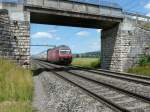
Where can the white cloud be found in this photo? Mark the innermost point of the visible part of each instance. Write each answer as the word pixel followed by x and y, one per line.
pixel 147 5
pixel 57 38
pixel 148 14
pixel 48 35
pixel 83 33
pixel 42 35
pixel 73 46
pixel 53 31
pixel 95 45
pixel 99 30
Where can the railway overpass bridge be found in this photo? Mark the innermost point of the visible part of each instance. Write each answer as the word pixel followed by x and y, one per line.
pixel 124 37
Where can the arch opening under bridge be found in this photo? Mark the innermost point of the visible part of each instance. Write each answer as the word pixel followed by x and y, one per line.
pixel 121 32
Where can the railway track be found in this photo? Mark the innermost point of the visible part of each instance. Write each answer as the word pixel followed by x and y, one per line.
pixel 134 86
pixel 126 76
pixel 116 98
pixel 123 76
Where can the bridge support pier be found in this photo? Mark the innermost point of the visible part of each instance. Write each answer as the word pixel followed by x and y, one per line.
pixel 21 32
pixel 7 42
pixel 123 45
pixel 15 38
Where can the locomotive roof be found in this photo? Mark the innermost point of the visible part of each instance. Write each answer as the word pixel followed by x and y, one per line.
pixel 64 46
pixel 61 46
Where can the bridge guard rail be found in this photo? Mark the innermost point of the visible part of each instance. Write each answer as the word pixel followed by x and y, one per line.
pixel 137 17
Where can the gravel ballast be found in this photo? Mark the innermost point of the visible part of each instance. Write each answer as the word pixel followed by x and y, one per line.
pixel 53 94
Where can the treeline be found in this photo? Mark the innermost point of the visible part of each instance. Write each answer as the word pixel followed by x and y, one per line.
pixel 95 54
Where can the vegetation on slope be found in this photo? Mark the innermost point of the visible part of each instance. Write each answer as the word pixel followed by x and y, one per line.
pixel 86 62
pixel 143 68
pixel 146 26
pixel 16 88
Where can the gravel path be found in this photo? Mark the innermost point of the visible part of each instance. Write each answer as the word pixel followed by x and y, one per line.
pixel 40 99
pixel 53 94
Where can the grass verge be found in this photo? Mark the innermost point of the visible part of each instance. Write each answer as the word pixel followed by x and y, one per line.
pixel 15 107
pixel 140 70
pixel 86 62
pixel 16 88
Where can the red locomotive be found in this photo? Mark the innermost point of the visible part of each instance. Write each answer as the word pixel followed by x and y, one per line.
pixel 60 55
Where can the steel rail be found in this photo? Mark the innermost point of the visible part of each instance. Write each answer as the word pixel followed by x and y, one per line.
pixel 119 73
pixel 109 103
pixel 128 77
pixel 141 97
pixel 128 93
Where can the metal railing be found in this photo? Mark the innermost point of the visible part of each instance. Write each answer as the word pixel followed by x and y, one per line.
pixel 12 1
pixel 137 17
pixel 74 5
pixel 99 3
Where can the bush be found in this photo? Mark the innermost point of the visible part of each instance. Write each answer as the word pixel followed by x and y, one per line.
pixel 145 60
pixel 143 68
pixel 95 64
pixel 140 70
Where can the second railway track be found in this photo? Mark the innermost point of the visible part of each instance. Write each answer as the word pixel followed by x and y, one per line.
pixel 121 100
pixel 126 76
pixel 123 76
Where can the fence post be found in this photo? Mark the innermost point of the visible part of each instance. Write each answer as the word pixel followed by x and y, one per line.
pixel 24 2
pixel 86 6
pixel 43 3
pixel 73 5
pixel 99 2
pixel 58 4
pixel 136 18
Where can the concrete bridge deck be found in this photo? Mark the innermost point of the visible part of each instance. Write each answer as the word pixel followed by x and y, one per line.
pixel 72 13
pixel 123 41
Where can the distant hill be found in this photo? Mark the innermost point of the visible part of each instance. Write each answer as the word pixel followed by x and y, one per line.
pixel 94 54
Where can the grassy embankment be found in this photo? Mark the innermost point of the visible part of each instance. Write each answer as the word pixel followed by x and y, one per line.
pixel 86 62
pixel 146 26
pixel 16 88
pixel 143 68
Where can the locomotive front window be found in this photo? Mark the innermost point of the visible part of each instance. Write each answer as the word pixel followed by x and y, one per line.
pixel 64 51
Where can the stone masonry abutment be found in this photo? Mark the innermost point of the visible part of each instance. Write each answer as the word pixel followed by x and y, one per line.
pixel 123 39
pixel 15 38
pixel 123 45
pixel 7 42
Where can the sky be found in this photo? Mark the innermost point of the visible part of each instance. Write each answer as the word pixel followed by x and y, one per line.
pixel 127 5
pixel 80 40
pixel 136 6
